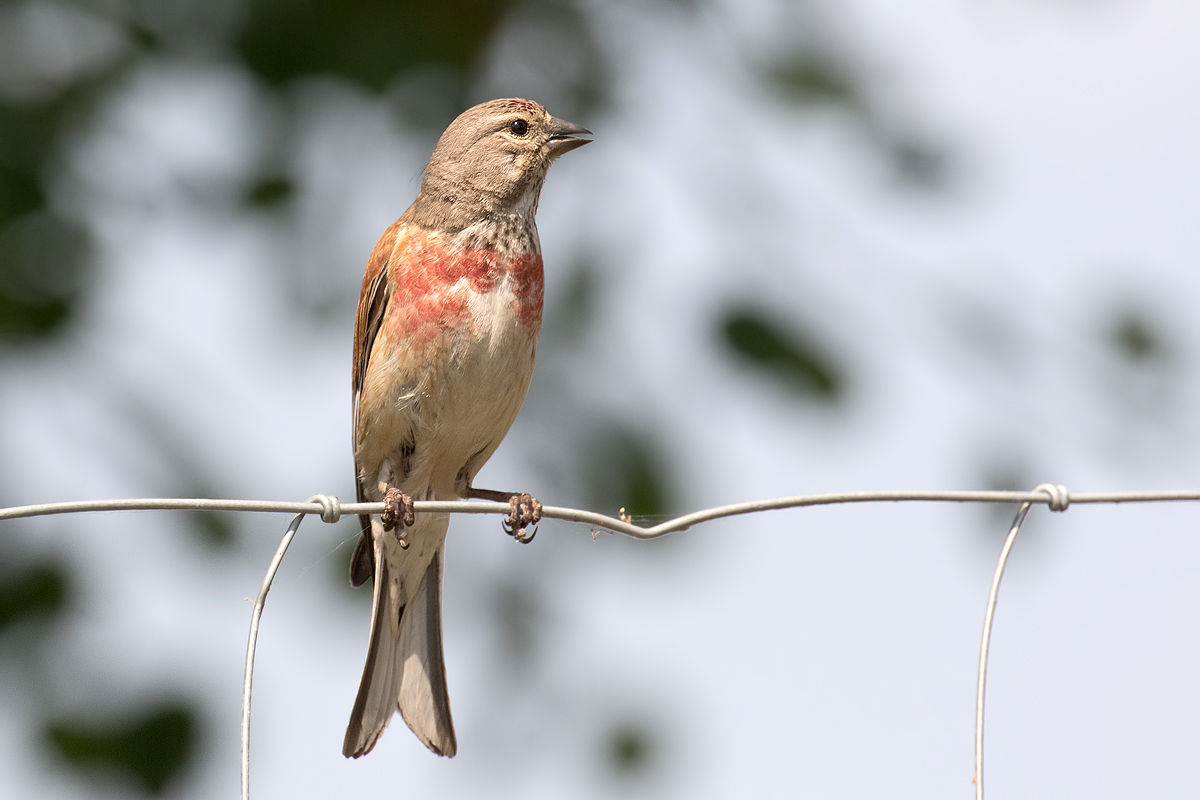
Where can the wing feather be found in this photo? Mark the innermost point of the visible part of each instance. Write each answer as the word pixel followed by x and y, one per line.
pixel 372 308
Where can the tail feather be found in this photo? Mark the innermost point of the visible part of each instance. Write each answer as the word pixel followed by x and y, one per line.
pixel 404 667
pixel 424 701
pixel 380 686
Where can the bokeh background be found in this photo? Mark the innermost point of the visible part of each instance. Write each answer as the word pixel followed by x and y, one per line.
pixel 815 246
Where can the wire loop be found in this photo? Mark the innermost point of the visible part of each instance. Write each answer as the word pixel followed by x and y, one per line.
pixel 331 509
pixel 1059 497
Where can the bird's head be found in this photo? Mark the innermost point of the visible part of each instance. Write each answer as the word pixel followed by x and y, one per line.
pixel 493 158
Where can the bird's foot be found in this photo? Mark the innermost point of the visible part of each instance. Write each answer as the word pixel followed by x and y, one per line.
pixel 398 513
pixel 525 512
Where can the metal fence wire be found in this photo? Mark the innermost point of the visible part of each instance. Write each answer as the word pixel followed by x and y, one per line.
pixel 1056 497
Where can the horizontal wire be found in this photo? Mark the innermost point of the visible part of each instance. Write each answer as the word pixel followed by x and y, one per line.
pixel 330 510
pixel 614 524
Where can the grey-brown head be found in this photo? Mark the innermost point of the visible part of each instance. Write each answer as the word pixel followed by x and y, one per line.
pixel 492 160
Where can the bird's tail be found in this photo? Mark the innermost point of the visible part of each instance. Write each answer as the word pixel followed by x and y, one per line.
pixel 404 666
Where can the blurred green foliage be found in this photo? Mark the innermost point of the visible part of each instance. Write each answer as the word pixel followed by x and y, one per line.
pixel 42 254
pixel 815 77
pixel 22 318
pixel 796 362
pixel 918 164
pixel 42 261
pixel 152 749
pixel 20 193
pixel 270 191
pixel 1136 339
pixel 575 311
pixel 366 41
pixel 627 471
pixel 27 134
pixel 519 619
pixel 809 76
pixel 35 592
pixel 215 529
pixel 630 749
pixel 1007 473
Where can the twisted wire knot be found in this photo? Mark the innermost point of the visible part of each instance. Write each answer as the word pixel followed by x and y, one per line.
pixel 1059 498
pixel 331 509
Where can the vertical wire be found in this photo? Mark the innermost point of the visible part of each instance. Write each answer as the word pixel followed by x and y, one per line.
pixel 983 646
pixel 251 644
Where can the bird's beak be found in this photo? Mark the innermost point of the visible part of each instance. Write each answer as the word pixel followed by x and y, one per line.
pixel 563 136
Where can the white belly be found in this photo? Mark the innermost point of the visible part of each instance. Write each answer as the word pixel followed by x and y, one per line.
pixel 474 399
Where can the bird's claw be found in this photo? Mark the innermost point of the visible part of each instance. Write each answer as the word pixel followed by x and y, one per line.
pixel 398 513
pixel 525 512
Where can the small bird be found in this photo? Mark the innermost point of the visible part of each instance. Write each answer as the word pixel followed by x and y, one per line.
pixel 444 344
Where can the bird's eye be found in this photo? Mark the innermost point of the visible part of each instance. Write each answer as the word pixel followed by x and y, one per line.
pixel 519 126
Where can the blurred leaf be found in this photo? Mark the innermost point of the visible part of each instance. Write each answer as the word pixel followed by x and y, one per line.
pixel 1135 339
pixel 814 78
pixel 216 529
pixel 628 472
pixel 38 591
pixel 213 529
pixel 180 25
pixel 31 130
pixel 580 298
pixel 1008 472
pixel 42 263
pixel 143 37
pixel 1004 475
pixel 43 256
pixel 22 319
pixel 629 749
pixel 919 164
pixel 797 362
pixel 270 191
pixel 367 41
pixel 567 320
pixel 27 132
pixel 517 613
pixel 20 193
pixel 1141 373
pixel 153 749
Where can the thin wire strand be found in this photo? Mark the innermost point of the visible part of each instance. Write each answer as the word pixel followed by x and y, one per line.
pixel 252 646
pixel 986 641
pixel 311 565
pixel 599 520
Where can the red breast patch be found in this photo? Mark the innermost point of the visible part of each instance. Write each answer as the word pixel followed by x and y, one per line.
pixel 431 291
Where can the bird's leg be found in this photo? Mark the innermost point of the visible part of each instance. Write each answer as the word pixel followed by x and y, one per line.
pixel 524 511
pixel 398 513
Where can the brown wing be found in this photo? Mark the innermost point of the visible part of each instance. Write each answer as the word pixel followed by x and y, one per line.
pixel 372 306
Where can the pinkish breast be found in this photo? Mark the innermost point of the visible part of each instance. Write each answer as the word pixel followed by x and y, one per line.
pixel 431 291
